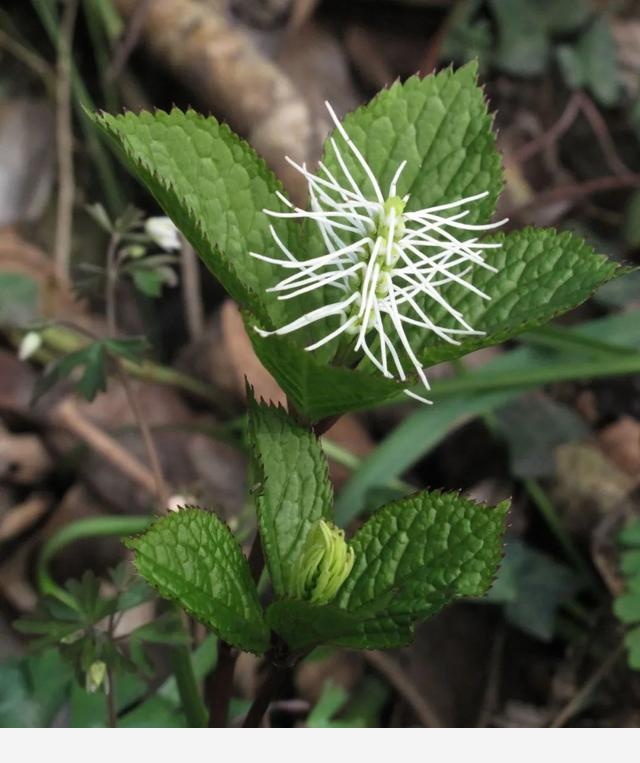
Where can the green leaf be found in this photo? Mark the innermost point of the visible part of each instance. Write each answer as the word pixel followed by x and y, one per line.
pixel 304 625
pixel 531 586
pixel 541 274
pixel 213 186
pixel 33 689
pixel 523 43
pixel 412 558
pixel 319 390
pixel 441 127
pixel 480 390
pixel 630 535
pixel 148 282
pixel 92 360
pixel 293 491
pixel 533 427
pixel 18 299
pixel 592 63
pixel 627 608
pixel 630 562
pixel 422 552
pixel 192 558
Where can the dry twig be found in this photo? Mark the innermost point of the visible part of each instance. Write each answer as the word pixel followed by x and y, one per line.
pixel 67 415
pixel 405 687
pixel 578 700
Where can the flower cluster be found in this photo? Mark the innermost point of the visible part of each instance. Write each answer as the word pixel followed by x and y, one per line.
pixel 324 563
pixel 382 261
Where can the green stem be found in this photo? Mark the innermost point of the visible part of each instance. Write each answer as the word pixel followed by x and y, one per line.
pixel 83 103
pixel 188 690
pixel 99 42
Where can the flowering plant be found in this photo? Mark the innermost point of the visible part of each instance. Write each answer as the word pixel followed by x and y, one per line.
pixel 393 267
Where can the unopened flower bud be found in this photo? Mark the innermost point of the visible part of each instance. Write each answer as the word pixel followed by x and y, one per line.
pixel 163 232
pixel 324 563
pixel 31 343
pixel 96 677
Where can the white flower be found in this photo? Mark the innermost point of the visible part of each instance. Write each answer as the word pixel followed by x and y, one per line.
pixel 382 260
pixel 30 344
pixel 163 232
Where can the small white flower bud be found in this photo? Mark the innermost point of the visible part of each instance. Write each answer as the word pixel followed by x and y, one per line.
pixel 31 343
pixel 163 232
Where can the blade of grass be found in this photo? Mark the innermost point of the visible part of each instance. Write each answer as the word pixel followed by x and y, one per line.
pixel 114 197
pixel 485 389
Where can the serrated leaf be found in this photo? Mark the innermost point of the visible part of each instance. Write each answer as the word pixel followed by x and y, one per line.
pixel 419 553
pixel 192 558
pixel 294 490
pixel 304 625
pixel 213 186
pixel 319 390
pixel 441 127
pixel 412 558
pixel 541 274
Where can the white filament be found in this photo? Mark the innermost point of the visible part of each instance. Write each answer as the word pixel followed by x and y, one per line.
pixel 396 257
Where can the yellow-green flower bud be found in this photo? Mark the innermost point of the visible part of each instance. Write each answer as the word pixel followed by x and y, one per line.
pixel 96 676
pixel 324 563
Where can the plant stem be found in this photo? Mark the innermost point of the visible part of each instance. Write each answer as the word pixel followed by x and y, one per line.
pixel 271 685
pixel 111 269
pixel 162 490
pixel 192 705
pixel 82 100
pixel 191 292
pixel 64 144
pixel 112 719
pixel 219 685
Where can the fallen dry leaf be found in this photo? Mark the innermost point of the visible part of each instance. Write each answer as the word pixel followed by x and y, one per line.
pixel 620 441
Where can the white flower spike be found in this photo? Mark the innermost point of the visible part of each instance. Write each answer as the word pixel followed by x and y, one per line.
pixel 382 260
